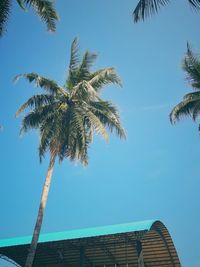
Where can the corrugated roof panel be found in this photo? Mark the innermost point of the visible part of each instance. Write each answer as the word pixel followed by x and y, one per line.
pixel 87 232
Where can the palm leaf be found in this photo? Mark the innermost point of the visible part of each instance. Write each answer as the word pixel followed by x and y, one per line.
pixel 146 8
pixel 108 115
pixel 46 11
pixel 190 106
pixel 74 58
pixel 192 96
pixel 71 140
pixel 96 124
pixel 185 108
pixel 86 64
pixel 196 110
pixel 31 121
pixel 73 65
pixel 191 65
pixel 63 144
pixel 104 77
pixel 36 101
pixel 195 4
pixel 46 133
pixel 5 6
pixel 21 4
pixel 40 81
pixel 84 92
pixel 78 143
pixel 37 117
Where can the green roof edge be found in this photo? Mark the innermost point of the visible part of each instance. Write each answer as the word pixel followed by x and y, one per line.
pixel 81 233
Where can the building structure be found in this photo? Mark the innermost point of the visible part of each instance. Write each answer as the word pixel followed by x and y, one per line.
pixel 138 244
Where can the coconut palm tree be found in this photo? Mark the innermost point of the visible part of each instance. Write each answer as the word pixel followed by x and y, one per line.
pixel 190 105
pixel 67 117
pixel 146 8
pixel 44 9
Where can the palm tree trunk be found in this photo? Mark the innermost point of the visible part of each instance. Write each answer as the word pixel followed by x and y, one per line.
pixel 36 233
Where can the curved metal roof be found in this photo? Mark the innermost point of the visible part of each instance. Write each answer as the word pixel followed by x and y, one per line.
pixel 146 243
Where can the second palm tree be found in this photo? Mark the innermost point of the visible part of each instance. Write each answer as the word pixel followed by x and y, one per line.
pixel 190 105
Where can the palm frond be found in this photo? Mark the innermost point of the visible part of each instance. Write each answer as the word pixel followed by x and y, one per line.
pixel 64 134
pixel 31 121
pixel 21 4
pixel 46 133
pixel 40 81
pixel 192 96
pixel 75 57
pixel 84 91
pixel 36 101
pixel 184 108
pixel 71 139
pixel 191 65
pixel 196 110
pixel 37 117
pixel 104 77
pixel 46 11
pixel 87 62
pixel 108 115
pixel 73 65
pixel 78 141
pixel 195 4
pixel 146 8
pixel 5 6
pixel 190 105
pixel 96 125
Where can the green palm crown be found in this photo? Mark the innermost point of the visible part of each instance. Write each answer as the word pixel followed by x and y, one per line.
pixel 67 116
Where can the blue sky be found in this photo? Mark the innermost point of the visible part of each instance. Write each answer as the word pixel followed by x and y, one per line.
pixel 155 173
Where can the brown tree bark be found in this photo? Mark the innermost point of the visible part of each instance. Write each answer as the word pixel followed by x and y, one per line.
pixel 43 201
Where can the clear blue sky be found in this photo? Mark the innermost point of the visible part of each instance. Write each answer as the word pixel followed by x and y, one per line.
pixel 155 174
